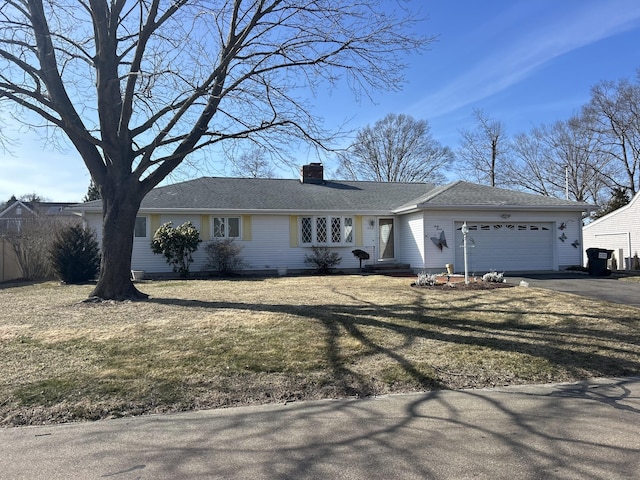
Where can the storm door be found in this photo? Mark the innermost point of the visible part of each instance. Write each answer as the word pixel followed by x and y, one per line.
pixel 385 238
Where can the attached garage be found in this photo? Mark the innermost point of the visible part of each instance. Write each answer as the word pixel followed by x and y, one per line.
pixel 506 246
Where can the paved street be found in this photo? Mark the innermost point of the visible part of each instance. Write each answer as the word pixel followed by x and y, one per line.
pixel 588 430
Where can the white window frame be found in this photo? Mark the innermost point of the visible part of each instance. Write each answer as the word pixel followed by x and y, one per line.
pixel 226 227
pixel 345 230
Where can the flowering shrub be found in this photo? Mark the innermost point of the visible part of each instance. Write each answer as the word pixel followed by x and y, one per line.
pixel 493 277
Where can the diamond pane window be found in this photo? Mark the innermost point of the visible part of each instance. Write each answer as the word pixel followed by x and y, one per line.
pixel 321 229
pixel 307 232
pixel 326 230
pixel 336 230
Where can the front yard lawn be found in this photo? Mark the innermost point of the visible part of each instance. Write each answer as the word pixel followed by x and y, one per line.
pixel 214 343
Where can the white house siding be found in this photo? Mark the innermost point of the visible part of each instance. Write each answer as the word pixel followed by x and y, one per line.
pixel 269 247
pixel 93 221
pixel 567 254
pixel 411 243
pixel 617 231
pixel 435 223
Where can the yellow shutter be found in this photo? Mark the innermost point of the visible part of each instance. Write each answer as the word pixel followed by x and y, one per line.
pixel 293 231
pixel 246 227
pixel 205 227
pixel 154 223
pixel 358 228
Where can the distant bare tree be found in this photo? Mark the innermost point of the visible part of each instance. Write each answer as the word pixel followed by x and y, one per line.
pixel 397 148
pixel 31 239
pixel 253 164
pixel 483 150
pixel 614 112
pixel 551 158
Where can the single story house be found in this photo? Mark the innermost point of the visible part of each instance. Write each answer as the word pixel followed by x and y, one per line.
pixel 618 231
pixel 277 221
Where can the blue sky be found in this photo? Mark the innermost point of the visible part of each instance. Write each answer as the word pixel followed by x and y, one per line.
pixel 523 62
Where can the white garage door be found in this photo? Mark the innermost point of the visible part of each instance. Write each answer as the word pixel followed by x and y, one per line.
pixel 505 247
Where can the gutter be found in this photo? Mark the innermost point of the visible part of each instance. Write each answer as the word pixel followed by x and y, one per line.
pixel 529 208
pixel 214 210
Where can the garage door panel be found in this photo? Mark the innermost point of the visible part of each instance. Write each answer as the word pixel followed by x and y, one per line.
pixel 506 246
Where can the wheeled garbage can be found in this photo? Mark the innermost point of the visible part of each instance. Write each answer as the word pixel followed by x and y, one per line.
pixel 598 258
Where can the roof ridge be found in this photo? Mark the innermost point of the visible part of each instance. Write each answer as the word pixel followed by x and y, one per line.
pixel 436 191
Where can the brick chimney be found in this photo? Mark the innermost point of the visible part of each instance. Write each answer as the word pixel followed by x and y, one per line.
pixel 312 173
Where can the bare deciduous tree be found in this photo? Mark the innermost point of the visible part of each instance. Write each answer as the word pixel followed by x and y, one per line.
pixel 614 112
pixel 551 159
pixel 483 151
pixel 137 85
pixel 31 239
pixel 253 163
pixel 397 148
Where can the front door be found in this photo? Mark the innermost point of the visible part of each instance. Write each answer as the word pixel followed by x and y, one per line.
pixel 385 238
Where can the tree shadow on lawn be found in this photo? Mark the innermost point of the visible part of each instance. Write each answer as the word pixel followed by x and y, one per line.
pixel 570 351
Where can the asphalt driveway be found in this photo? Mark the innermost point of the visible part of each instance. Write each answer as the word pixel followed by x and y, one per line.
pixel 611 289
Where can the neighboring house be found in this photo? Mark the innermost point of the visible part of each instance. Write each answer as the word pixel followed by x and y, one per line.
pixel 618 231
pixel 277 221
pixel 21 217
pixel 17 213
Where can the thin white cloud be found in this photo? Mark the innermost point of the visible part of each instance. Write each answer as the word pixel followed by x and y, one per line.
pixel 30 168
pixel 517 59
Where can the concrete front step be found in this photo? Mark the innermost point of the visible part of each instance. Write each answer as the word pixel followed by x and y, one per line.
pixel 395 269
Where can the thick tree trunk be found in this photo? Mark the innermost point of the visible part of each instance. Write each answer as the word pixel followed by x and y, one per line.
pixel 119 216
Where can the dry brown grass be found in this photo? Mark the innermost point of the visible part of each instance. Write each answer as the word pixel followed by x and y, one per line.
pixel 212 343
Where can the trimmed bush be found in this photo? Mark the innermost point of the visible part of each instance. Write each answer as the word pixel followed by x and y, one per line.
pixel 177 245
pixel 75 255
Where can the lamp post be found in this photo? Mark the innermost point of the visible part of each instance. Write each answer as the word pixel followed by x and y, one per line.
pixel 465 231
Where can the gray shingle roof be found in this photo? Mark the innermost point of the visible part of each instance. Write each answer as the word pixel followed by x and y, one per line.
pixel 282 195
pixel 470 195
pixel 259 194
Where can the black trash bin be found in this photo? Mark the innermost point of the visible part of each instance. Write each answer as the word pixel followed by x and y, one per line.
pixel 598 258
